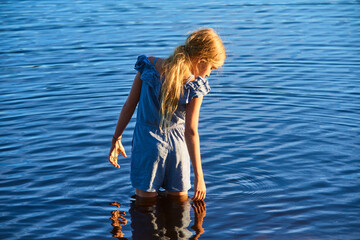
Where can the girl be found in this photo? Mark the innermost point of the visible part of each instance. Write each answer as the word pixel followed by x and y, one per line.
pixel 169 93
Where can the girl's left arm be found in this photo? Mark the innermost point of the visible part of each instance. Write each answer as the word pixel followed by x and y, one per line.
pixel 193 145
pixel 125 115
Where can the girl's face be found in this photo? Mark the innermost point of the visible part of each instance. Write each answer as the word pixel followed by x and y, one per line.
pixel 203 69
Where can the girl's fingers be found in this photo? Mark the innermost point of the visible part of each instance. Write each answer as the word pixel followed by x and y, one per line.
pixel 113 158
pixel 193 198
pixel 201 196
pixel 198 196
pixel 112 161
pixel 120 149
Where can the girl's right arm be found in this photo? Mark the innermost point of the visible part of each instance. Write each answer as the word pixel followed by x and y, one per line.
pixel 193 145
pixel 125 115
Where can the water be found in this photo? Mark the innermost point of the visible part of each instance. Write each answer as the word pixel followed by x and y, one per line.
pixel 280 131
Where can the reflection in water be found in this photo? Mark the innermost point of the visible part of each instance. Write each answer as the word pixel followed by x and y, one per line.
pixel 166 219
pixel 118 220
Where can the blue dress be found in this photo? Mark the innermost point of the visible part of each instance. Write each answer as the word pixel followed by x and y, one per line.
pixel 160 158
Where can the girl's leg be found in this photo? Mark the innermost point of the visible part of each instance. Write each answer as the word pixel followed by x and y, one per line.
pixel 141 193
pixel 179 196
pixel 144 198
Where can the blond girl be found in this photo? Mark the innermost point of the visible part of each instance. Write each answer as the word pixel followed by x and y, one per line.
pixel 169 94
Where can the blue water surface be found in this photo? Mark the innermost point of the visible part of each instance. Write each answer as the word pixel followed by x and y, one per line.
pixel 280 130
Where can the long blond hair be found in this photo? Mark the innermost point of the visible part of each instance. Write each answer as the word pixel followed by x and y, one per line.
pixel 202 45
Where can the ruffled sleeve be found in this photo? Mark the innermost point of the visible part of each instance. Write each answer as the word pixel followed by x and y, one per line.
pixel 142 63
pixel 148 72
pixel 197 88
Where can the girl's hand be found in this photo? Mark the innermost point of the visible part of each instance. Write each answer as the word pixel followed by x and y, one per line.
pixel 200 189
pixel 116 148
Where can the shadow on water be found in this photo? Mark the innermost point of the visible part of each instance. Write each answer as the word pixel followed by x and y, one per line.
pixel 167 218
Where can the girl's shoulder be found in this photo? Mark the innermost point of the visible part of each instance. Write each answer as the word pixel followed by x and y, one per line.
pixel 158 64
pixel 196 88
pixel 149 71
pixel 150 63
pixel 145 65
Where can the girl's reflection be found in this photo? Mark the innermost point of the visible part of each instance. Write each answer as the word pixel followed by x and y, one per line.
pixel 166 218
pixel 118 220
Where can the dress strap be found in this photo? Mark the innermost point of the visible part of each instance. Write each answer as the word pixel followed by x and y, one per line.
pixel 154 61
pixel 188 80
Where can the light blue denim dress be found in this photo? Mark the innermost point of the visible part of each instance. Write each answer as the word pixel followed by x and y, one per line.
pixel 160 158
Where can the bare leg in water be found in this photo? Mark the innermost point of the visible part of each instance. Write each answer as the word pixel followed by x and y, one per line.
pixel 149 198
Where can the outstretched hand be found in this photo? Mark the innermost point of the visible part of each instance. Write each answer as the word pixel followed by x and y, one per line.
pixel 116 148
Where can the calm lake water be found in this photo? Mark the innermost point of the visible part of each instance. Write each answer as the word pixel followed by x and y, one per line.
pixel 280 129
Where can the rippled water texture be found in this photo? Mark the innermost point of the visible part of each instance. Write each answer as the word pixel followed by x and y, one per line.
pixel 280 131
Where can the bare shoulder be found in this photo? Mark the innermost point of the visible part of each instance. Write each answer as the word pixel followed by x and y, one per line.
pixel 158 64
